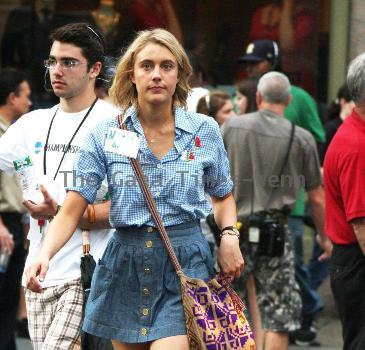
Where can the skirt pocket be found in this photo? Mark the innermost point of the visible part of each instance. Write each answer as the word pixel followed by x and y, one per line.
pixel 100 282
pixel 196 261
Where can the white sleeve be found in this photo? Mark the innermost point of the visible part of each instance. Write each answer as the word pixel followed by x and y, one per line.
pixel 12 145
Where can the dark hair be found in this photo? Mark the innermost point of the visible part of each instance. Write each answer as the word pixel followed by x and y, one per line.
pixel 82 35
pixel 334 109
pixel 10 80
pixel 248 88
pixel 212 103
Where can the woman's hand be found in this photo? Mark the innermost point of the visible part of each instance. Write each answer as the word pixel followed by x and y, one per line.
pixel 230 257
pixel 36 273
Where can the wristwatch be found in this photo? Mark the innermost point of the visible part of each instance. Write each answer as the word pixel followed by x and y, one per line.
pixel 230 230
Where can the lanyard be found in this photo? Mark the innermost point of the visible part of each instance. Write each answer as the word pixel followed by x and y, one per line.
pixel 69 143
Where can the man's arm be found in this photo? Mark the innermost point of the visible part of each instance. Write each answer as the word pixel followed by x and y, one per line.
pixel 6 238
pixel 48 209
pixel 359 229
pixel 316 199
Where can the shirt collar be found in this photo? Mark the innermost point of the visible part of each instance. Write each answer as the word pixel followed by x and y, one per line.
pixel 183 120
pixel 131 120
pixel 356 119
pixel 185 123
pixel 269 113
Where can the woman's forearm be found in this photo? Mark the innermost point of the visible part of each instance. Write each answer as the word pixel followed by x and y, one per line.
pixel 63 225
pixel 224 210
pixel 230 257
pixel 101 217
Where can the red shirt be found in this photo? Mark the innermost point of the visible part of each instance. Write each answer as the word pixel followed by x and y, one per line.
pixel 344 180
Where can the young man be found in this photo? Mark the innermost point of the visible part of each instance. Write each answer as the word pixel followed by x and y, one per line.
pixel 14 101
pixel 51 138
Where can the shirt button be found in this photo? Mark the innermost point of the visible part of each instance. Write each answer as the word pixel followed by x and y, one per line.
pixel 149 244
pixel 159 165
pixel 146 291
pixel 143 331
pixel 145 311
pixel 147 270
pixel 158 194
pixel 149 229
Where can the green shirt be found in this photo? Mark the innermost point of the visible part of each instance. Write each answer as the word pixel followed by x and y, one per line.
pixel 302 111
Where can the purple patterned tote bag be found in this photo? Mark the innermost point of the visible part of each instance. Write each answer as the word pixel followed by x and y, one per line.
pixel 214 316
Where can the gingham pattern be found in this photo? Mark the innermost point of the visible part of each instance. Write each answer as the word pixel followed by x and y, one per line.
pixel 55 317
pixel 197 163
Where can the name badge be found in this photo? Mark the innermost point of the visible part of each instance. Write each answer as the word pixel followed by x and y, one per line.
pixel 123 142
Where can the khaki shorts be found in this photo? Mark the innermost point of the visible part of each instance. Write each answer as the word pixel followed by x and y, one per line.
pixel 55 316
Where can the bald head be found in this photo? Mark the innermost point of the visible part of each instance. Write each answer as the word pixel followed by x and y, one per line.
pixel 274 88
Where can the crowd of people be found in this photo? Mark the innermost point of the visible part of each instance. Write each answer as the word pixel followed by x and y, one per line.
pixel 236 179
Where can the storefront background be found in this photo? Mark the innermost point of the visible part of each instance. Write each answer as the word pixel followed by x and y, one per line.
pixel 216 31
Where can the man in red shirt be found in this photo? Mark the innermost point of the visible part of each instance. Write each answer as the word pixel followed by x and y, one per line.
pixel 344 179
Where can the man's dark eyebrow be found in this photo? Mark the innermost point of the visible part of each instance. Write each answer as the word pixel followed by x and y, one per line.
pixel 64 58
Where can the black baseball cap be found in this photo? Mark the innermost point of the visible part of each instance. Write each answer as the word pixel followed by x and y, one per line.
pixel 261 50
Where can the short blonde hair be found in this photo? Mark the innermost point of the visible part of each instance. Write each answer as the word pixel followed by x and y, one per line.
pixel 123 91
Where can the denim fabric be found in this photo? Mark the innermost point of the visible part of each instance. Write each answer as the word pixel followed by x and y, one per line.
pixel 135 294
pixel 312 303
pixel 318 270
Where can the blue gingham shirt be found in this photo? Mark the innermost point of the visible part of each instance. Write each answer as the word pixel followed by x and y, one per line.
pixel 197 163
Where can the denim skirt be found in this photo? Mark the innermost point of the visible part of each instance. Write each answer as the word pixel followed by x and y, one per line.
pixel 135 292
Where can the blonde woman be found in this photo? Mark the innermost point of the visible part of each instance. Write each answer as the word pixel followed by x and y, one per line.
pixel 135 296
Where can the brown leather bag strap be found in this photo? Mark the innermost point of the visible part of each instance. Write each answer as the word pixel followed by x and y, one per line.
pixel 151 204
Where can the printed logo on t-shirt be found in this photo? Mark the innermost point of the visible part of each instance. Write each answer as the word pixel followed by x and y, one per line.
pixel 60 147
pixel 38 147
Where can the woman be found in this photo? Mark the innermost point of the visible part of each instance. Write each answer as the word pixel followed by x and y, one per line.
pixel 218 105
pixel 245 96
pixel 135 296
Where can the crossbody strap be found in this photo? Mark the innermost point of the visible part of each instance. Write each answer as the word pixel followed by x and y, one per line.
pixel 285 161
pixel 151 204
pixel 292 132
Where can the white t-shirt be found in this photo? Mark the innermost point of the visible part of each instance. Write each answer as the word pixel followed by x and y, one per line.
pixel 194 96
pixel 27 137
